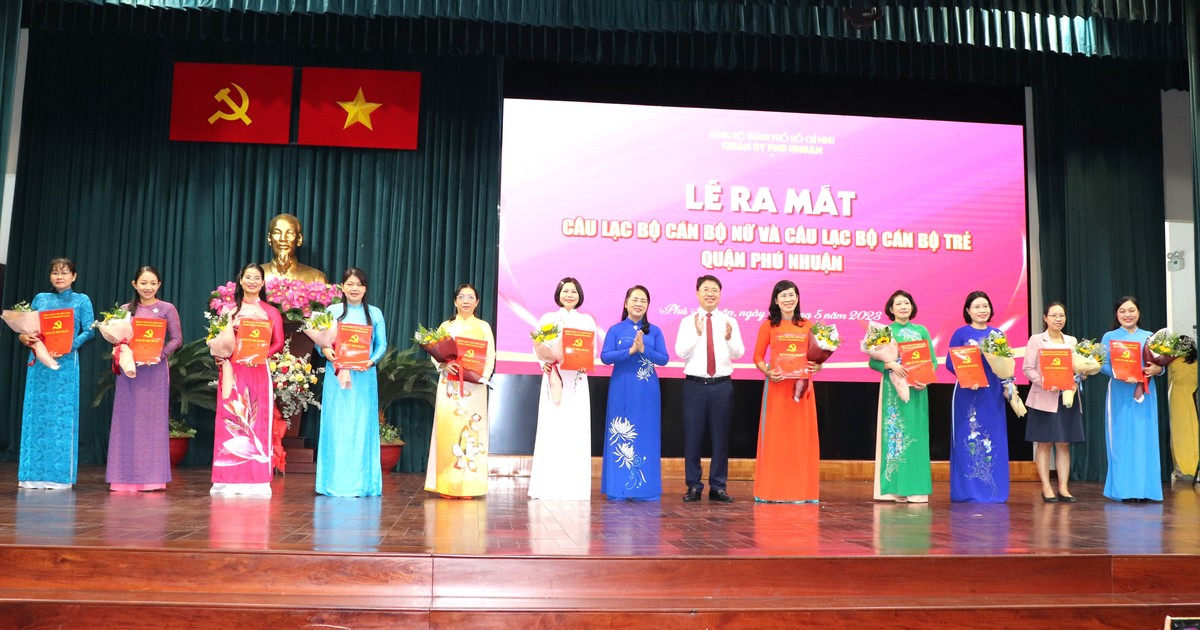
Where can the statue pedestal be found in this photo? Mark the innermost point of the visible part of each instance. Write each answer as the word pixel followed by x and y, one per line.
pixel 300 457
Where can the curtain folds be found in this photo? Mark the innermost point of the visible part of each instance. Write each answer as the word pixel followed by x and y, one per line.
pixel 100 182
pixel 920 39
pixel 10 35
pixel 1100 202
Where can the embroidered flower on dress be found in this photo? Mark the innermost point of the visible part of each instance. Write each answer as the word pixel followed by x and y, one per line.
pixel 621 429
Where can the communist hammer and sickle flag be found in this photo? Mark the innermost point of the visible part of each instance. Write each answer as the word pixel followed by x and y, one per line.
pixel 213 102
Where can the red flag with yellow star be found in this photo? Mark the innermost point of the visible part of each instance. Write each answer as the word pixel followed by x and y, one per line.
pixel 221 102
pixel 359 108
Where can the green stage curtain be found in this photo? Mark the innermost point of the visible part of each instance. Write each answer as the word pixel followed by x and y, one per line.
pixel 10 35
pixel 100 182
pixel 1098 130
pixel 985 41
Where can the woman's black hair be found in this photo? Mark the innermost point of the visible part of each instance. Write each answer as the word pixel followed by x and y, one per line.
pixel 239 294
pixel 887 308
pixel 774 312
pixel 645 323
pixel 355 272
pixel 1116 323
pixel 133 304
pixel 564 282
pixel 971 297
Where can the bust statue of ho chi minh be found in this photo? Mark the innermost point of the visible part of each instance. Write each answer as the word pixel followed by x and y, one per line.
pixel 285 237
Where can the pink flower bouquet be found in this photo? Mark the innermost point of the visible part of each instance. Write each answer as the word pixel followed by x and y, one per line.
pixel 26 321
pixel 298 300
pixel 116 326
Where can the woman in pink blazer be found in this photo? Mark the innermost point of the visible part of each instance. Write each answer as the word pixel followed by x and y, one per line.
pixel 1050 422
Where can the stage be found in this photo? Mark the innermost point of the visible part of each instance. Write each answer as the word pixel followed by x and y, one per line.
pixel 181 558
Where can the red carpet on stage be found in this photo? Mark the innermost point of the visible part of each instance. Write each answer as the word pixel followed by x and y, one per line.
pixel 89 558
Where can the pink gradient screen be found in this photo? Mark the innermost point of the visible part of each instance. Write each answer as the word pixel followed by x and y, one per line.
pixel 849 208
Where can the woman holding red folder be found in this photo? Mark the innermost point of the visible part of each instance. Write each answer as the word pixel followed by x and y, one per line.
pixel 458 447
pixel 1050 422
pixel 979 429
pixel 348 453
pixel 245 398
pixel 138 452
pixel 50 416
pixel 902 472
pixel 562 449
pixel 1130 424
pixel 789 453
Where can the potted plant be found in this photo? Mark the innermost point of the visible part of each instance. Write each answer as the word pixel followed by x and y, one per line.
pixel 181 433
pixel 390 445
pixel 193 376
pixel 402 374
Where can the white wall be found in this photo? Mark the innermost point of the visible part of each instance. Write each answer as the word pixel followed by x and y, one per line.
pixel 1177 194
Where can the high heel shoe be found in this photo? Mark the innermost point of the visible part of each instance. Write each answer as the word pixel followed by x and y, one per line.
pixel 1049 499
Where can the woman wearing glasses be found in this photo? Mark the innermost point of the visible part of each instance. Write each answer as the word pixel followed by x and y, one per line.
pixel 458 447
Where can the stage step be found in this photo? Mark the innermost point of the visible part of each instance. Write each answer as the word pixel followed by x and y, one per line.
pixel 175 588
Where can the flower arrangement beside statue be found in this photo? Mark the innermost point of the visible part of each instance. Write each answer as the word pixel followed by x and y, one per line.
pixel 293 379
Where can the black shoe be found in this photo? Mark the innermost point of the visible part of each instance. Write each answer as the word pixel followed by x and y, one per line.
pixel 719 495
pixel 1050 499
pixel 1067 498
pixel 693 495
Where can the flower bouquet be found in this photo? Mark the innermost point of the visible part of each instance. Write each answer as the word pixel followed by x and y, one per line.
pixel 292 381
pixel 298 300
pixel 1086 358
pixel 823 339
pixel 881 346
pixel 116 326
pixel 323 330
pixel 221 339
pixel 999 356
pixel 444 350
pixel 1163 347
pixel 23 320
pixel 547 347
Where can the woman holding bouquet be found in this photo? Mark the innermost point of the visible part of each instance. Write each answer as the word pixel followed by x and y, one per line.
pixel 1050 422
pixel 138 442
pixel 348 452
pixel 1131 425
pixel 902 471
pixel 979 429
pixel 245 399
pixel 562 449
pixel 458 448
pixel 50 415
pixel 633 432
pixel 787 468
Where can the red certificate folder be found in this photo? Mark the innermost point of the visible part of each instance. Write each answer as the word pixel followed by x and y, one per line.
pixel 789 353
pixel 1057 369
pixel 353 346
pixel 149 336
pixel 253 340
pixel 472 353
pixel 579 350
pixel 918 361
pixel 58 328
pixel 968 366
pixel 1126 358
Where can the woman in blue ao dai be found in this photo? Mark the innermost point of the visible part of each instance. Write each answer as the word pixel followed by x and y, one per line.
pixel 50 416
pixel 979 433
pixel 1130 425
pixel 348 450
pixel 633 433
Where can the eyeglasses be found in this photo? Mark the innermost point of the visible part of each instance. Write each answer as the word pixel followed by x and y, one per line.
pixel 708 291
pixel 466 297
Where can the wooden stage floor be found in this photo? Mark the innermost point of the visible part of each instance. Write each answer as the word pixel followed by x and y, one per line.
pixel 409 559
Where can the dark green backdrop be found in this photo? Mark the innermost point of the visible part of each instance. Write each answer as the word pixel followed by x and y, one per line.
pixel 100 182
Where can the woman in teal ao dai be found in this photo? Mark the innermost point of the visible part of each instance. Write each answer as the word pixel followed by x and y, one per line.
pixel 979 433
pixel 633 432
pixel 348 452
pixel 50 416
pixel 1130 426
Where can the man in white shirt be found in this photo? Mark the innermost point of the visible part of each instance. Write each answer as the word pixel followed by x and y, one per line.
pixel 708 342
